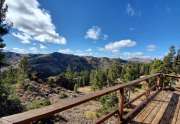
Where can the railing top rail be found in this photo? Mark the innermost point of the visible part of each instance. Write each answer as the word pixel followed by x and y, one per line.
pixel 170 75
pixel 44 112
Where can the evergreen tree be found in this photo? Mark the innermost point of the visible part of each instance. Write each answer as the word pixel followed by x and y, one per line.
pixel 144 69
pixel 113 73
pixel 98 79
pixel 169 61
pixel 4 29
pixel 168 65
pixel 156 66
pixel 10 76
pixel 131 72
pixel 177 62
pixel 9 104
pixel 23 70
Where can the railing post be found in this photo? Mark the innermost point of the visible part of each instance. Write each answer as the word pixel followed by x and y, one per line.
pixel 162 79
pixel 121 103
pixel 158 82
pixel 146 85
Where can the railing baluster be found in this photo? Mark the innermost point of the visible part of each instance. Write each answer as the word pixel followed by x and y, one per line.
pixel 146 83
pixel 121 103
pixel 158 82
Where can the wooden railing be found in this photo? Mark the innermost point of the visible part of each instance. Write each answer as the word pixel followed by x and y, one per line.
pixel 45 112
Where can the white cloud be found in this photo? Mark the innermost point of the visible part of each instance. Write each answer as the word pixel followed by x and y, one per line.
pixel 18 50
pixel 24 38
pixel 32 22
pixel 87 52
pixel 83 53
pixel 42 46
pixel 115 46
pixel 129 55
pixel 95 33
pixel 151 47
pixel 133 54
pixel 130 10
pixel 65 51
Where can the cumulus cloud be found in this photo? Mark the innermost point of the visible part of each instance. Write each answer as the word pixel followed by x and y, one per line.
pixel 95 33
pixel 23 37
pixel 130 10
pixel 115 46
pixel 151 47
pixel 32 22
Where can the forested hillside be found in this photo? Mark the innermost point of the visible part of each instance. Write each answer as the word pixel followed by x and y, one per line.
pixel 55 63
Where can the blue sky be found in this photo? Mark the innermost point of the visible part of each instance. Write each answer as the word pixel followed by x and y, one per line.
pixel 111 28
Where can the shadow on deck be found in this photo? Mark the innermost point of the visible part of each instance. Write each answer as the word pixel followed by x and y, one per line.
pixel 163 109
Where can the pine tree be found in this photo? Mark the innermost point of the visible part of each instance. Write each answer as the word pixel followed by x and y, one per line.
pixel 156 66
pixel 9 104
pixel 98 79
pixel 4 29
pixel 177 62
pixel 23 70
pixel 169 61
pixel 114 73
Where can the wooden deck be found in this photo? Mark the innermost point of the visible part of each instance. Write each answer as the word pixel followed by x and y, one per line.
pixel 164 108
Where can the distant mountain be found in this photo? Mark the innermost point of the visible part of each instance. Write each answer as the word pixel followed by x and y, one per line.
pixel 141 60
pixel 12 58
pixel 55 63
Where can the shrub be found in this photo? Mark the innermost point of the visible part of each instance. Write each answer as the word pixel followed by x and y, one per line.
pixel 9 103
pixel 108 102
pixel 37 104
pixel 90 114
pixel 63 95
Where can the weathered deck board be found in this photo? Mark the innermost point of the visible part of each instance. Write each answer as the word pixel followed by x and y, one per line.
pixel 145 112
pixel 154 112
pixel 163 109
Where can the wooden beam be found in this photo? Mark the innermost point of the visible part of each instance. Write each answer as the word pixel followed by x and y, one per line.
pixel 105 117
pixel 121 103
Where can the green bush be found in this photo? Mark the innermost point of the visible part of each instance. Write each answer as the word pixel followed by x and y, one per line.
pixel 37 104
pixel 109 103
pixel 9 103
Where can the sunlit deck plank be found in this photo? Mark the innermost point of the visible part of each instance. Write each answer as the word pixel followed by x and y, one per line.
pixel 159 102
pixel 147 113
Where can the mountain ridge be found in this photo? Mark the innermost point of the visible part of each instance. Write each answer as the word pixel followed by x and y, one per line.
pixel 55 63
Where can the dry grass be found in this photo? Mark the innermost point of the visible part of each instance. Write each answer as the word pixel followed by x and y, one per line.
pixel 86 89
